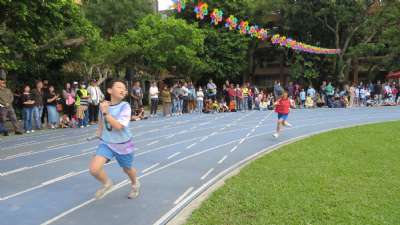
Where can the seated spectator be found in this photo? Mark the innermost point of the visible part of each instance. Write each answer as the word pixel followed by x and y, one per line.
pixel 309 102
pixel 139 114
pixel 65 121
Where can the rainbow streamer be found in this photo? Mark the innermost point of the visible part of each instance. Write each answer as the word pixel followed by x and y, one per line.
pixel 231 22
pixel 179 5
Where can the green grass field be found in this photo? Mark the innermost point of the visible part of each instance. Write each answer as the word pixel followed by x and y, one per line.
pixel 349 176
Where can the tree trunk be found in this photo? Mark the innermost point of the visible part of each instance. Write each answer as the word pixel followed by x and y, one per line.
pixel 356 69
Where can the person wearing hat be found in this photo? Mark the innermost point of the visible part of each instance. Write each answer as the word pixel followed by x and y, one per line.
pixel 96 96
pixel 6 109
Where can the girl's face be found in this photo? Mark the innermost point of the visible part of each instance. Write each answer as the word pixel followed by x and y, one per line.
pixel 117 91
pixel 27 89
pixel 51 88
pixel 68 85
pixel 285 95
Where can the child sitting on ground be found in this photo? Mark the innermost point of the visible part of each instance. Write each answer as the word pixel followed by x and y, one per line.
pixel 264 104
pixel 232 106
pixel 309 102
pixel 215 106
pixel 139 115
pixel 64 121
pixel 223 107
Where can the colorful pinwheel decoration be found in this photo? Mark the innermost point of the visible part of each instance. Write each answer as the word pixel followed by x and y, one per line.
pixel 201 10
pixel 216 16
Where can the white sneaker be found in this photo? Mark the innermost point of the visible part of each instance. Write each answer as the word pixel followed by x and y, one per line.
pixel 32 131
pixel 288 124
pixel 103 191
pixel 276 135
pixel 27 132
pixel 135 190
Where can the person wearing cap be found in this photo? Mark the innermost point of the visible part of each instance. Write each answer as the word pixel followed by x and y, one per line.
pixel 96 96
pixel 6 108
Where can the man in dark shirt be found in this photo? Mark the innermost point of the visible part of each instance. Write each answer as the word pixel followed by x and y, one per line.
pixel 6 108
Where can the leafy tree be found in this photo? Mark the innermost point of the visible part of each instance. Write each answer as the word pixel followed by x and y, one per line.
pixel 116 17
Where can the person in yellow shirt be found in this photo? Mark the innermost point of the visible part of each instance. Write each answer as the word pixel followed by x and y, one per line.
pixel 309 102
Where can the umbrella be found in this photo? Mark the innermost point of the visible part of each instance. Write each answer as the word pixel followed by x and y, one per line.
pixel 393 75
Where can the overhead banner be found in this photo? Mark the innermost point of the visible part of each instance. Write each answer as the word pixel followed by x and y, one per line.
pixel 243 27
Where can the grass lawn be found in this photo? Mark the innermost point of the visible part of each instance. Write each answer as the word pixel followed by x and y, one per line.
pixel 349 176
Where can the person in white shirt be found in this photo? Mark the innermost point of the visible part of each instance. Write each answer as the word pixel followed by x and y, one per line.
pixel 96 96
pixel 154 99
pixel 185 98
pixel 200 100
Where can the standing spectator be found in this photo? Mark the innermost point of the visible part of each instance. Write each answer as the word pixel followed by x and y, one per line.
pixel 154 99
pixel 225 92
pixel 51 100
pixel 311 92
pixel 231 93
pixel 45 92
pixel 329 92
pixel 277 89
pixel 28 104
pixel 192 97
pixel 166 101
pixel 136 96
pixel 251 98
pixel 96 96
pixel 302 98
pixel 6 108
pixel 82 104
pixel 185 97
pixel 245 94
pixel 69 100
pixel 352 94
pixel 290 89
pixel 239 98
pixel 362 95
pixel 38 108
pixel 177 99
pixel 211 90
pixel 378 92
pixel 322 91
pixel 200 100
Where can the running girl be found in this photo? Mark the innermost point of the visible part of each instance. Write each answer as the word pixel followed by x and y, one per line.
pixel 282 107
pixel 116 140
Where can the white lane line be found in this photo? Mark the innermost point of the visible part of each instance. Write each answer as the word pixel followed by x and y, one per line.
pixel 206 174
pixel 234 148
pixel 58 158
pixel 214 133
pixel 257 126
pixel 170 136
pixel 183 132
pixel 55 146
pixel 64 177
pixel 204 138
pixel 223 159
pixel 241 141
pixel 193 128
pixel 17 155
pixel 248 135
pixel 151 167
pixel 152 143
pixel 183 195
pixel 47 163
pixel 58 178
pixel 16 170
pixel 173 155
pixel 190 146
pixel 68 212
pixel 253 130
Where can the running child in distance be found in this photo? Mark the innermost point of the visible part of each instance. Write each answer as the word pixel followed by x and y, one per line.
pixel 282 108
